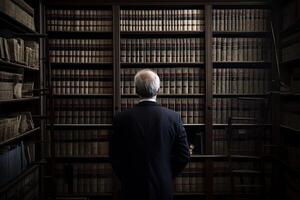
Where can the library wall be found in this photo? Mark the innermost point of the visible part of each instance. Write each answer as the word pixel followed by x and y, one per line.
pixel 171 41
pixel 20 101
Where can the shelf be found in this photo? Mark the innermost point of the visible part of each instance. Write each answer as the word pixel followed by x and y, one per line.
pixel 289 95
pixel 290 128
pixel 82 95
pixel 162 33
pixel 18 178
pixel 291 62
pixel 19 100
pixel 240 34
pixel 79 34
pixel 189 194
pixel 11 23
pixel 88 194
pixel 254 64
pixel 241 125
pixel 291 29
pixel 8 65
pixel 80 65
pixel 81 125
pixel 103 125
pixel 222 157
pixel 167 95
pixel 153 65
pixel 243 95
pixel 19 137
pixel 191 125
pixel 80 159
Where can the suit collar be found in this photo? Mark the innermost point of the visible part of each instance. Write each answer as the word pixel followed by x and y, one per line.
pixel 147 103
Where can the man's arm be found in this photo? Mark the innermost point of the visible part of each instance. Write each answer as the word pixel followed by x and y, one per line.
pixel 180 153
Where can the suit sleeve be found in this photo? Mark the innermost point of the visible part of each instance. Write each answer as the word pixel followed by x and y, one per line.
pixel 180 151
pixel 115 148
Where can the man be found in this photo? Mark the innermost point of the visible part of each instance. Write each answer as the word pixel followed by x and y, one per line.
pixel 148 147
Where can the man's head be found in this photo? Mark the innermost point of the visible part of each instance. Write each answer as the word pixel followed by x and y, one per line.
pixel 146 83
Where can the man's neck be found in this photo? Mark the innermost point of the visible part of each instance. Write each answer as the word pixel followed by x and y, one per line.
pixel 153 99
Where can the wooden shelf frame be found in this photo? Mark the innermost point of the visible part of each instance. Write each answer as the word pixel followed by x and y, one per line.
pixel 208 66
pixel 19 137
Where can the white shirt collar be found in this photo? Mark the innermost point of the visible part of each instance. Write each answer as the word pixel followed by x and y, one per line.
pixel 147 99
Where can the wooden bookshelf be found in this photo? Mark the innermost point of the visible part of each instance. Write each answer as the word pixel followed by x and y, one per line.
pixel 162 33
pixel 240 34
pixel 207 127
pixel 19 178
pixel 7 64
pixel 286 26
pixel 26 99
pixel 20 137
pixel 82 125
pixel 82 95
pixel 15 25
pixel 29 39
pixel 82 159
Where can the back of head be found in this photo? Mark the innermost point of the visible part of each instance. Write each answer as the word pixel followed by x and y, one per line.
pixel 146 83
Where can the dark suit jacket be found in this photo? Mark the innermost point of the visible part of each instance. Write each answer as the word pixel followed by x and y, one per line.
pixel 148 148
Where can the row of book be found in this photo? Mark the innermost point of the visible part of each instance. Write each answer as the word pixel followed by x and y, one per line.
pixel 243 141
pixel 20 11
pixel 20 51
pixel 80 51
pixel 27 188
pixel 250 20
pixel 83 148
pixel 221 184
pixel 162 50
pixel 82 81
pixel 196 142
pixel 190 109
pixel 240 49
pixel 191 179
pixel 13 87
pixel 240 80
pixel 76 20
pixel 85 178
pixel 83 111
pixel 74 137
pixel 14 160
pixel 181 80
pixel 10 85
pixel 222 178
pixel 162 20
pixel 290 51
pixel 15 124
pixel 81 143
pixel 226 107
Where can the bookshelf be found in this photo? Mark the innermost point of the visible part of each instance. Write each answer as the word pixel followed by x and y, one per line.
pixel 81 77
pixel 22 101
pixel 287 31
pixel 198 63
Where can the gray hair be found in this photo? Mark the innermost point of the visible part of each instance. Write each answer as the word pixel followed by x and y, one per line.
pixel 146 83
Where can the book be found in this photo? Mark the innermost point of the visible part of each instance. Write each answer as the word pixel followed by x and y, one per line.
pixel 162 50
pixel 161 20
pixel 240 20
pixel 179 80
pixel 79 20
pixel 240 49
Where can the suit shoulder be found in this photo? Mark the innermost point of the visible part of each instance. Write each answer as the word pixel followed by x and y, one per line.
pixel 170 112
